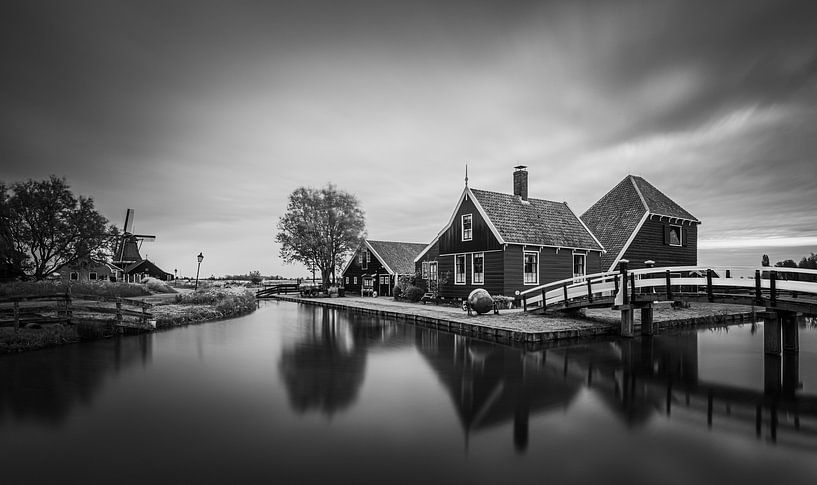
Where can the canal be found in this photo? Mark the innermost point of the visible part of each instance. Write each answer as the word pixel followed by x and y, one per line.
pixel 299 394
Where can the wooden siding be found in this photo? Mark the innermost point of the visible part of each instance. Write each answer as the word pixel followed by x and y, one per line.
pixel 494 276
pixel 482 237
pixel 649 245
pixel 431 255
pixel 354 270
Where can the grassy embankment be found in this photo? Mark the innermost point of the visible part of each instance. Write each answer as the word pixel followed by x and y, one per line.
pixel 173 310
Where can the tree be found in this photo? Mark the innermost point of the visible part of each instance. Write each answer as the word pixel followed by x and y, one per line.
pixel 809 262
pixel 255 277
pixel 789 263
pixel 46 227
pixel 320 228
pixel 765 260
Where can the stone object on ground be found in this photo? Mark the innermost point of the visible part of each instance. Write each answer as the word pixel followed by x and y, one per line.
pixel 481 301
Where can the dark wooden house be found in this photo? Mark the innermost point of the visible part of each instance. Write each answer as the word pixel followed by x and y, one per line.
pixel 376 265
pixel 89 269
pixel 637 222
pixel 507 242
pixel 134 272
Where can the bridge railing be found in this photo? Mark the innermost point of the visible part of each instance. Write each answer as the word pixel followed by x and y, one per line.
pixel 763 282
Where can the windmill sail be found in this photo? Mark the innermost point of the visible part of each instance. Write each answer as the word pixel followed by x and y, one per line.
pixel 127 249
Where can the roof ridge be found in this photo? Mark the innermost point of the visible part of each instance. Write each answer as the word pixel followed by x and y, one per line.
pixel 512 195
pixel 638 191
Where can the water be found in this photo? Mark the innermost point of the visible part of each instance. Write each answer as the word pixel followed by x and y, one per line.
pixel 294 394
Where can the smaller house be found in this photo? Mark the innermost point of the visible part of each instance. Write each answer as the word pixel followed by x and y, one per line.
pixel 376 265
pixel 89 269
pixel 637 222
pixel 135 272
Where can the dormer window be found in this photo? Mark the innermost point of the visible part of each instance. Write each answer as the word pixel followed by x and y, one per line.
pixel 467 227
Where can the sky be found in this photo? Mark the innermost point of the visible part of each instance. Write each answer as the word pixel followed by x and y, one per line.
pixel 204 116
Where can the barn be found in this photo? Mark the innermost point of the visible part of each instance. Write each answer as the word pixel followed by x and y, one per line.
pixel 505 243
pixel 376 265
pixel 637 222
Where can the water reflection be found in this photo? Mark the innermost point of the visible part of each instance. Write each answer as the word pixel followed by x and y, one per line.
pixel 47 385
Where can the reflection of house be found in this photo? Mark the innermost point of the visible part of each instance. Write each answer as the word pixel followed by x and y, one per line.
pixel 508 242
pixel 636 222
pixel 376 265
pixel 89 269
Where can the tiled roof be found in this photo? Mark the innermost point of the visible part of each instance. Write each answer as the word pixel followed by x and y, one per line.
pixel 399 256
pixel 535 221
pixel 616 215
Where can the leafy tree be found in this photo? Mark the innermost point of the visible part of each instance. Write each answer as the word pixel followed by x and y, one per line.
pixel 789 263
pixel 765 260
pixel 45 226
pixel 255 277
pixel 809 262
pixel 320 228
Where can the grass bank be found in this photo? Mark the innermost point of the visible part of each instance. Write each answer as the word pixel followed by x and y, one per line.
pixel 204 305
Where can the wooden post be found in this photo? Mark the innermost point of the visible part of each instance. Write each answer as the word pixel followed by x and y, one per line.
pixel 16 316
pixel 758 294
pixel 709 285
pixel 564 287
pixel 669 286
pixel 771 332
pixel 589 291
pixel 525 303
pixel 615 281
pixel 626 322
pixel 773 288
pixel 623 266
pixel 544 301
pixel 632 287
pixel 791 338
pixel 647 324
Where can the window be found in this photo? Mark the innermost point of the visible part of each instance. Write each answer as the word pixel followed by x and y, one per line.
pixel 467 231
pixel 364 258
pixel 355 279
pixel 425 270
pixel 674 235
pixel 578 265
pixel 531 260
pixel 347 280
pixel 432 271
pixel 384 280
pixel 92 276
pixel 74 276
pixel 459 269
pixel 478 268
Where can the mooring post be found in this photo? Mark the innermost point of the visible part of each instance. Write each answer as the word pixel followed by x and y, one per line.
pixel 791 337
pixel 626 310
pixel 632 287
pixel 647 323
pixel 669 286
pixel 564 287
pixel 589 291
pixel 771 332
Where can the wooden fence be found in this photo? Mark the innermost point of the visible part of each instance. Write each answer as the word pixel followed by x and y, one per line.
pixel 21 310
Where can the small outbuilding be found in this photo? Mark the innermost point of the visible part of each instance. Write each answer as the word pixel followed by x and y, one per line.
pixel 376 265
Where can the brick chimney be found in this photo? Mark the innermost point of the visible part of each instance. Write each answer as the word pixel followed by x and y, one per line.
pixel 520 181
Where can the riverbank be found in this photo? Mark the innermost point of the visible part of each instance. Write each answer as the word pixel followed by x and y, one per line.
pixel 516 326
pixel 168 310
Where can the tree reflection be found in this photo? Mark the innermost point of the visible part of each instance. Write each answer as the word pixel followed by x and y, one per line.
pixel 47 385
pixel 325 369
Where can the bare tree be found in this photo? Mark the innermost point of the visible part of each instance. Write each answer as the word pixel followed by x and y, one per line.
pixel 320 228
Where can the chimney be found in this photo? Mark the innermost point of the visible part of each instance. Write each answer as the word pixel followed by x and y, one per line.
pixel 520 181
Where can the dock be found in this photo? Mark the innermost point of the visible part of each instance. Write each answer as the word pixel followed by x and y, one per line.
pixel 513 326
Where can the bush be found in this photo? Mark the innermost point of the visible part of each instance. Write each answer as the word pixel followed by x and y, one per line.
pixel 398 291
pixel 504 301
pixel 413 293
pixel 96 288
pixel 157 286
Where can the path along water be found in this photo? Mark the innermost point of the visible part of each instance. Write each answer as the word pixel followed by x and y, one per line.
pixel 299 394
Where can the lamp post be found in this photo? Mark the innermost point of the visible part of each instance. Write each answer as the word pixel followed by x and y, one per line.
pixel 200 257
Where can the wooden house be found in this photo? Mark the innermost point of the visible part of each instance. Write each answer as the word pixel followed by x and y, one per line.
pixel 376 265
pixel 637 222
pixel 135 272
pixel 506 243
pixel 89 269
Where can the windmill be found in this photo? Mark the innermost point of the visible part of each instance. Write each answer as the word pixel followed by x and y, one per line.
pixel 127 248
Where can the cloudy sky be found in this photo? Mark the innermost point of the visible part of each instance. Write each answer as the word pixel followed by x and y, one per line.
pixel 203 116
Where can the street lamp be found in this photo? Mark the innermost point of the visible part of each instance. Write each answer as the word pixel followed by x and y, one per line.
pixel 200 257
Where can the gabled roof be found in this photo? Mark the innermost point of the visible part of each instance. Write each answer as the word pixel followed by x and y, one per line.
pixel 617 217
pixel 396 257
pixel 535 221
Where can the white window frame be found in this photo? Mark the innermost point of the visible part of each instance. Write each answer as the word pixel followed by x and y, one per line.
pixel 584 264
pixel 536 272
pixel 470 235
pixel 355 280
pixel 347 280
pixel 425 270
pixel 433 271
pixel 680 235
pixel 73 276
pixel 474 279
pixel 92 276
pixel 456 273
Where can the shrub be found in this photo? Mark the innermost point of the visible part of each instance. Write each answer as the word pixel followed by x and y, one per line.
pixel 504 301
pixel 398 291
pixel 157 286
pixel 413 293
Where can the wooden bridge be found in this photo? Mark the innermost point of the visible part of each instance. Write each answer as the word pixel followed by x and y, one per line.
pixel 278 289
pixel 782 292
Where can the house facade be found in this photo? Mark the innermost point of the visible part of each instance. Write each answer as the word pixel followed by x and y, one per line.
pixel 637 222
pixel 505 243
pixel 376 265
pixel 88 269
